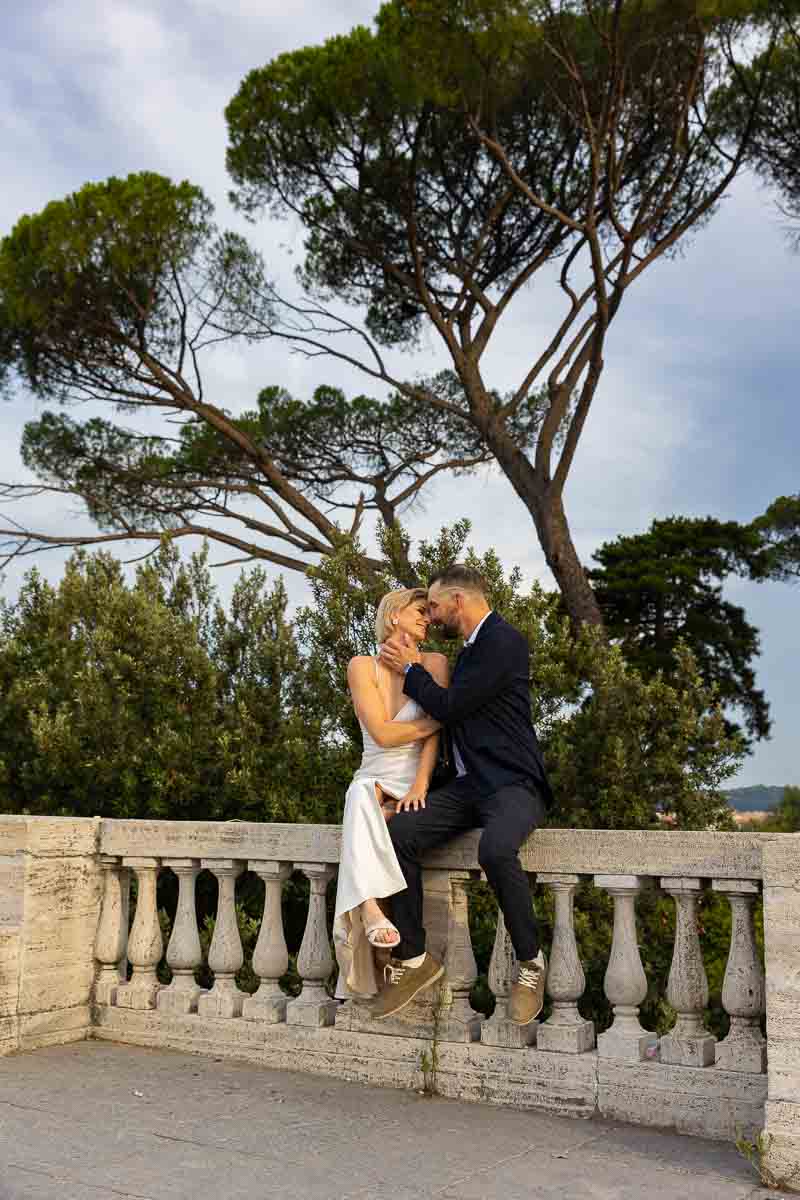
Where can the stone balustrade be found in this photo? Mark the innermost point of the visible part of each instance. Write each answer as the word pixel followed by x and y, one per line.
pixel 70 967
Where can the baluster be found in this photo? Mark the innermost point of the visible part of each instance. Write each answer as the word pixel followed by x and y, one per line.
pixel 112 930
pixel 314 962
pixel 458 1021
pixel 565 1031
pixel 270 957
pixel 743 992
pixel 184 954
pixel 688 1043
pixel 145 944
pixel 625 981
pixel 497 1030
pixel 225 955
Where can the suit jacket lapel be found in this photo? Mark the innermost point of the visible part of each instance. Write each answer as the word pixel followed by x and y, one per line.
pixel 460 660
pixel 466 650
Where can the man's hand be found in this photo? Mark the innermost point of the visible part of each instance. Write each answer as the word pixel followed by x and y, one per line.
pixel 398 652
pixel 413 800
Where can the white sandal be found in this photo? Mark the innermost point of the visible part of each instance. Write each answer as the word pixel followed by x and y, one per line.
pixel 379 927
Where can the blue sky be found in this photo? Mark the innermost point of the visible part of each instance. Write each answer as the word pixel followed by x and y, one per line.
pixel 696 413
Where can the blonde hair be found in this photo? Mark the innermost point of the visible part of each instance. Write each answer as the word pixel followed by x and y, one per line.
pixel 392 603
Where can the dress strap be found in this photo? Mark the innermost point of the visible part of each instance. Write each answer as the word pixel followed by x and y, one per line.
pixel 377 675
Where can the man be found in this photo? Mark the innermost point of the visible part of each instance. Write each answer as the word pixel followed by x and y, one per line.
pixel 500 785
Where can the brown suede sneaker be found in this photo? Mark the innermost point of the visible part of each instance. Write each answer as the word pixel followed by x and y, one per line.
pixel 527 995
pixel 403 984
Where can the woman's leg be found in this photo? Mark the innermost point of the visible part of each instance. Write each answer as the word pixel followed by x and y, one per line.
pixel 368 867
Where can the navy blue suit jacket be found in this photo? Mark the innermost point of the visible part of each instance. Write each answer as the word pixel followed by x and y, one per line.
pixel 487 709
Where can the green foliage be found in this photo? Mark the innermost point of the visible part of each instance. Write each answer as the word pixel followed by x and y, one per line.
pixel 637 747
pixel 120 275
pixel 108 244
pixel 779 529
pixel 786 817
pixel 149 700
pixel 775 146
pixel 757 1152
pixel 663 588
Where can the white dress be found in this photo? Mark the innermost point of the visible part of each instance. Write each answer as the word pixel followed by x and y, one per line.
pixel 368 865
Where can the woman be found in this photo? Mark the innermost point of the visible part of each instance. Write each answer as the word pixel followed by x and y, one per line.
pixel 400 747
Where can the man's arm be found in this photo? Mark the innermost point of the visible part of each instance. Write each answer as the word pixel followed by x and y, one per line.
pixel 369 709
pixel 487 671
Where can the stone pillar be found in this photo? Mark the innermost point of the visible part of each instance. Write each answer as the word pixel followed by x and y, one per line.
pixel 497 1030
pixel 743 997
pixel 145 944
pixel 458 1021
pixel 112 930
pixel 49 970
pixel 314 962
pixel 625 981
pixel 688 1043
pixel 184 954
pixel 225 955
pixel 565 1031
pixel 270 958
pixel 781 1154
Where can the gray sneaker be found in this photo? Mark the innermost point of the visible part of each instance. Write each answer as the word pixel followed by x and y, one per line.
pixel 527 994
pixel 403 983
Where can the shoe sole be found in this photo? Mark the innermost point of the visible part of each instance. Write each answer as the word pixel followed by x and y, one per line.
pixel 428 982
pixel 529 1021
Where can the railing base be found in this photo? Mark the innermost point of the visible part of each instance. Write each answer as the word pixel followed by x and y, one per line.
pixel 417 1020
pixel 562 1084
pixel 706 1103
pixel 701 1101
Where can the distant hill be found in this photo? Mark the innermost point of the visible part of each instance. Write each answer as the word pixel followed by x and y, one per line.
pixel 754 799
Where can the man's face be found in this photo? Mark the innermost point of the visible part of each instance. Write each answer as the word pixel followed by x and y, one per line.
pixel 443 610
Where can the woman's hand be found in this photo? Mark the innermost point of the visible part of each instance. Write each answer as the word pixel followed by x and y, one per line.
pixel 414 799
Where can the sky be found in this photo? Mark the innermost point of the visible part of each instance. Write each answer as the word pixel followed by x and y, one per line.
pixel 696 412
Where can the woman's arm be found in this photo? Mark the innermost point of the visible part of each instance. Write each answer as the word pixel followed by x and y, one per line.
pixel 439 668
pixel 368 703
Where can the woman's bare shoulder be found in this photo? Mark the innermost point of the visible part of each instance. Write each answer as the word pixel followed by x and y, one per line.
pixel 358 663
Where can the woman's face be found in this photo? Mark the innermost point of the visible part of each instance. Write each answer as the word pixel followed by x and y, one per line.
pixel 413 620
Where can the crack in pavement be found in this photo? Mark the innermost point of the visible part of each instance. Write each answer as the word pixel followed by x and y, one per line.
pixel 208 1145
pixel 62 1178
pixel 487 1169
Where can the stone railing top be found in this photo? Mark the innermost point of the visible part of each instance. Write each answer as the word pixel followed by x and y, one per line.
pixel 574 851
pixel 578 851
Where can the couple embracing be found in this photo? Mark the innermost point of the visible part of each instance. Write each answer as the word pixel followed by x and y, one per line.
pixel 405 703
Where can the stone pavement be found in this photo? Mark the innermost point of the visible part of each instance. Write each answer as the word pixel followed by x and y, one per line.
pixel 96 1121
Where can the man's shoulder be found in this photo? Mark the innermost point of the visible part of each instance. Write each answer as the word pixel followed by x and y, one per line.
pixel 499 630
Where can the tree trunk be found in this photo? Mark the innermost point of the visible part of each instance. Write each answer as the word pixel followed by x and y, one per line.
pixel 562 559
pixel 546 508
